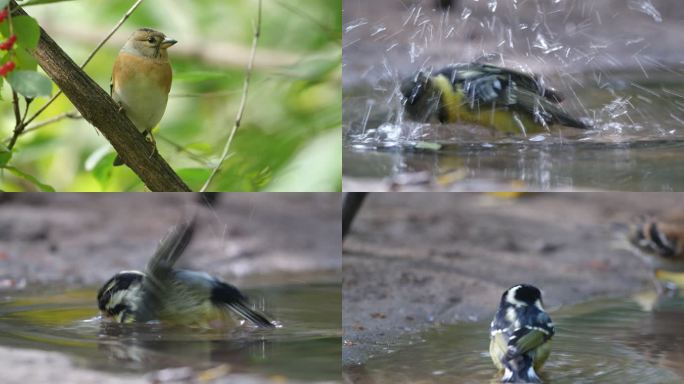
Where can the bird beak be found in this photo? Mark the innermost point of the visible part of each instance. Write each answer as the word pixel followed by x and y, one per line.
pixel 168 42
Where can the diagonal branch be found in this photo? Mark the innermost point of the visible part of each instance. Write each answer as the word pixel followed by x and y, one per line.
pixel 90 57
pixel 96 106
pixel 243 101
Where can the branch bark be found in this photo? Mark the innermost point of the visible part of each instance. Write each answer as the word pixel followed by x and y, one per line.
pixel 96 106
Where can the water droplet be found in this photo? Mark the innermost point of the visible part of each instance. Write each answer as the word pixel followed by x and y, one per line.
pixel 645 6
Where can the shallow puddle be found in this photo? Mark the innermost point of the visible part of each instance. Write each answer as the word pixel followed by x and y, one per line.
pixel 608 341
pixel 636 144
pixel 306 348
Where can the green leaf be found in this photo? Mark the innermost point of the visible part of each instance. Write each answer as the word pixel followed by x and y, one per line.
pixel 31 179
pixel 5 155
pixel 39 2
pixel 24 60
pixel 27 30
pixel 320 160
pixel 194 177
pixel 100 163
pixel 30 84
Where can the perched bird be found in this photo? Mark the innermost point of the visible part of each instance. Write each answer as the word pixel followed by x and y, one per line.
pixel 660 242
pixel 501 98
pixel 174 296
pixel 141 79
pixel 520 334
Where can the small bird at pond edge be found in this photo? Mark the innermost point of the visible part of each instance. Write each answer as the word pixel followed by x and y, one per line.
pixel 520 335
pixel 507 100
pixel 141 80
pixel 175 296
pixel 660 242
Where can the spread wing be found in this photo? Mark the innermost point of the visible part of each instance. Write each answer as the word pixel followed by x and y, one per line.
pixel 170 249
pixel 158 273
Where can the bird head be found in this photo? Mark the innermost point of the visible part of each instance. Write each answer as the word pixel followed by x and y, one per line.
pixel 120 295
pixel 522 295
pixel 420 97
pixel 149 43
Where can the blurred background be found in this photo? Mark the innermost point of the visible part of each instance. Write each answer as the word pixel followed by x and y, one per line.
pixel 423 275
pixel 618 63
pixel 290 133
pixel 281 250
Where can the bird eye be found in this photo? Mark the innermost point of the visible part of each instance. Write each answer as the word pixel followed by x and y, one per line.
pixel 151 40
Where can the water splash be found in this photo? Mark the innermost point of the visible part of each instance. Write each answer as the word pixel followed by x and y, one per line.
pixel 645 6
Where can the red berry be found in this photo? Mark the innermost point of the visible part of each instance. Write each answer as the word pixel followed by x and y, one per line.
pixel 3 14
pixel 7 44
pixel 7 68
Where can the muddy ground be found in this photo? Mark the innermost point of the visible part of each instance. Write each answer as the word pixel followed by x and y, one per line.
pixel 413 261
pixel 77 240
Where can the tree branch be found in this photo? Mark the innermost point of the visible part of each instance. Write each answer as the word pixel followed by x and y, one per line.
pixel 97 48
pixel 96 106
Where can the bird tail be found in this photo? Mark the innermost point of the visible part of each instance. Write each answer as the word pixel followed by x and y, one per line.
pixel 226 294
pixel 551 113
pixel 520 370
pixel 250 314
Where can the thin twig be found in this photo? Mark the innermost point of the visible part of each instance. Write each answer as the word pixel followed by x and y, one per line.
pixel 17 118
pixel 243 101
pixel 97 48
pixel 182 149
pixel 67 115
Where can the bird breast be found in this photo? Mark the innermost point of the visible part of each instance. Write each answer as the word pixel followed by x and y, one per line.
pixel 141 85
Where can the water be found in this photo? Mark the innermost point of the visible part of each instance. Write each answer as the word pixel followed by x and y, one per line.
pixel 607 341
pixel 639 148
pixel 628 81
pixel 306 348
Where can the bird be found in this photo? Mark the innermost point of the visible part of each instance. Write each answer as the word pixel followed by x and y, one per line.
pixel 660 242
pixel 141 80
pixel 507 100
pixel 175 296
pixel 520 334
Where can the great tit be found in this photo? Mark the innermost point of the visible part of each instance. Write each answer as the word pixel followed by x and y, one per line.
pixel 661 243
pixel 504 99
pixel 174 296
pixel 520 335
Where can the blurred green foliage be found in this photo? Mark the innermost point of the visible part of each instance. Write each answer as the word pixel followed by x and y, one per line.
pixel 290 138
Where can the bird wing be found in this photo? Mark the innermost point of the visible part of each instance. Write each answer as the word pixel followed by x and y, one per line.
pixel 530 336
pixel 170 249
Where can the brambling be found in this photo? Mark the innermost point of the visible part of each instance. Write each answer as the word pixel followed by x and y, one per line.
pixel 661 243
pixel 141 80
pixel 520 334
